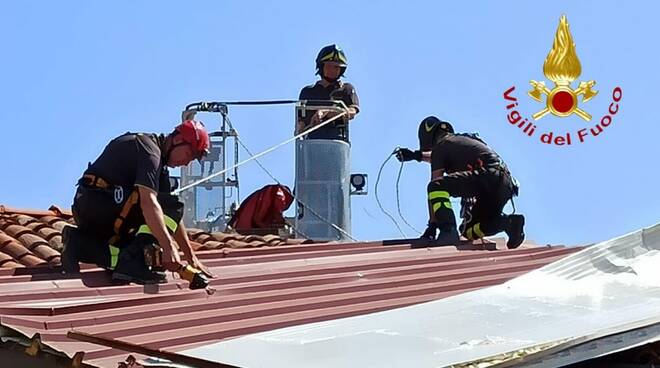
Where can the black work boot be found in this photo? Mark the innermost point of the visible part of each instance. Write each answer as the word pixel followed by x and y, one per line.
pixel 515 231
pixel 430 232
pixel 71 250
pixel 132 268
pixel 447 236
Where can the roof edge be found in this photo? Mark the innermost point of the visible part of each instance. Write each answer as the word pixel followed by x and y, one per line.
pixel 53 210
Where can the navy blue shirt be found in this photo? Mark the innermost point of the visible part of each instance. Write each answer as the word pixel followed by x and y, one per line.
pixel 455 153
pixel 133 159
pixel 335 91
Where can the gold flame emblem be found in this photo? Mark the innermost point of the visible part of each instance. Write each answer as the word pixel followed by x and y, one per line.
pixel 562 66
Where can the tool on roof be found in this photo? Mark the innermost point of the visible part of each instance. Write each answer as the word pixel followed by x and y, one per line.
pixel 153 257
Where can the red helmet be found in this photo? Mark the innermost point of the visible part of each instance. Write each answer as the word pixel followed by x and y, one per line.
pixel 194 133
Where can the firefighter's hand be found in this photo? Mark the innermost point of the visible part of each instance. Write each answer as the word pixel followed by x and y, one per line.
pixel 316 119
pixel 171 258
pixel 195 262
pixel 404 154
pixel 330 114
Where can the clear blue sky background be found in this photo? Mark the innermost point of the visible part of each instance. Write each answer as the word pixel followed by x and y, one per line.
pixel 76 74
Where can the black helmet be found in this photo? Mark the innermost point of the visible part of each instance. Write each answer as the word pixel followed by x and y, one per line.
pixel 430 129
pixel 331 53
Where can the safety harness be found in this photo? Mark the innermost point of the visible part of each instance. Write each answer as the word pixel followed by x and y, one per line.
pixel 92 180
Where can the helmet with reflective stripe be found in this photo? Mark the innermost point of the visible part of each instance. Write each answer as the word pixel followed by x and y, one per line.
pixel 430 130
pixel 194 133
pixel 331 53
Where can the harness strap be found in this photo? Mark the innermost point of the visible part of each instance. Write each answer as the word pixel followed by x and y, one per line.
pixel 125 210
pixel 95 181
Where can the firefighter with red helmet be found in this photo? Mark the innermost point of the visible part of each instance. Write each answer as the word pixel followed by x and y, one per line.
pixel 123 205
pixel 331 64
pixel 463 165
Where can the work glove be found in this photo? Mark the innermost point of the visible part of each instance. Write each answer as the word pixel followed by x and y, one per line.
pixel 404 154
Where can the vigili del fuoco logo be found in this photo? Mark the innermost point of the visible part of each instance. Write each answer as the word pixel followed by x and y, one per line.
pixel 562 67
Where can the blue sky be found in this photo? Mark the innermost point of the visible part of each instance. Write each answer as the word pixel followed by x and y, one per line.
pixel 76 74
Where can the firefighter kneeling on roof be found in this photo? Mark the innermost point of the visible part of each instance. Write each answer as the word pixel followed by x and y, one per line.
pixel 127 220
pixel 462 165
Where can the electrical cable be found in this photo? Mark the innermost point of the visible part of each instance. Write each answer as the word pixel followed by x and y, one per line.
pixel 398 204
pixel 378 199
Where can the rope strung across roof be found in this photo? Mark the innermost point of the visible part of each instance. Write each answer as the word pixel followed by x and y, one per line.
pixel 209 177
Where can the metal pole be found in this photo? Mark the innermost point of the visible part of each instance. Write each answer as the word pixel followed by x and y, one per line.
pixel 224 164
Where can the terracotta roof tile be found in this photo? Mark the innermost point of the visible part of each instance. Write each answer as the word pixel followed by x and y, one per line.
pixel 223 237
pixel 56 222
pixel 18 251
pixel 212 244
pixel 8 261
pixel 298 241
pixel 54 211
pixel 238 244
pixel 196 246
pixel 40 233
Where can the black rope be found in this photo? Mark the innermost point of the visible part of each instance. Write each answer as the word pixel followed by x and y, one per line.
pixel 217 106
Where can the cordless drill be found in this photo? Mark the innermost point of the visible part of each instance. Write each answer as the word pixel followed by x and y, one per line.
pixel 153 257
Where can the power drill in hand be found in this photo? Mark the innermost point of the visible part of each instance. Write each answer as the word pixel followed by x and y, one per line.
pixel 153 257
pixel 194 276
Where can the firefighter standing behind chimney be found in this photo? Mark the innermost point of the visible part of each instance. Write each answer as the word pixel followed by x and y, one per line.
pixel 331 65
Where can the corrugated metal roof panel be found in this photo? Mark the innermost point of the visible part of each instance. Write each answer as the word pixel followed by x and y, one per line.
pixel 608 293
pixel 256 290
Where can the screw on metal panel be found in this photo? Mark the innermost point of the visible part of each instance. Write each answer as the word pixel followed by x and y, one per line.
pixel 35 345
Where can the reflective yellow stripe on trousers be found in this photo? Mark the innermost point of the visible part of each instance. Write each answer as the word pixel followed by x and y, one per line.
pixel 474 232
pixel 114 256
pixel 436 206
pixel 438 194
pixel 442 195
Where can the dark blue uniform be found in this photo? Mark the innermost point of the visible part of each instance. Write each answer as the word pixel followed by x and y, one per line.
pixel 335 91
pixel 472 170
